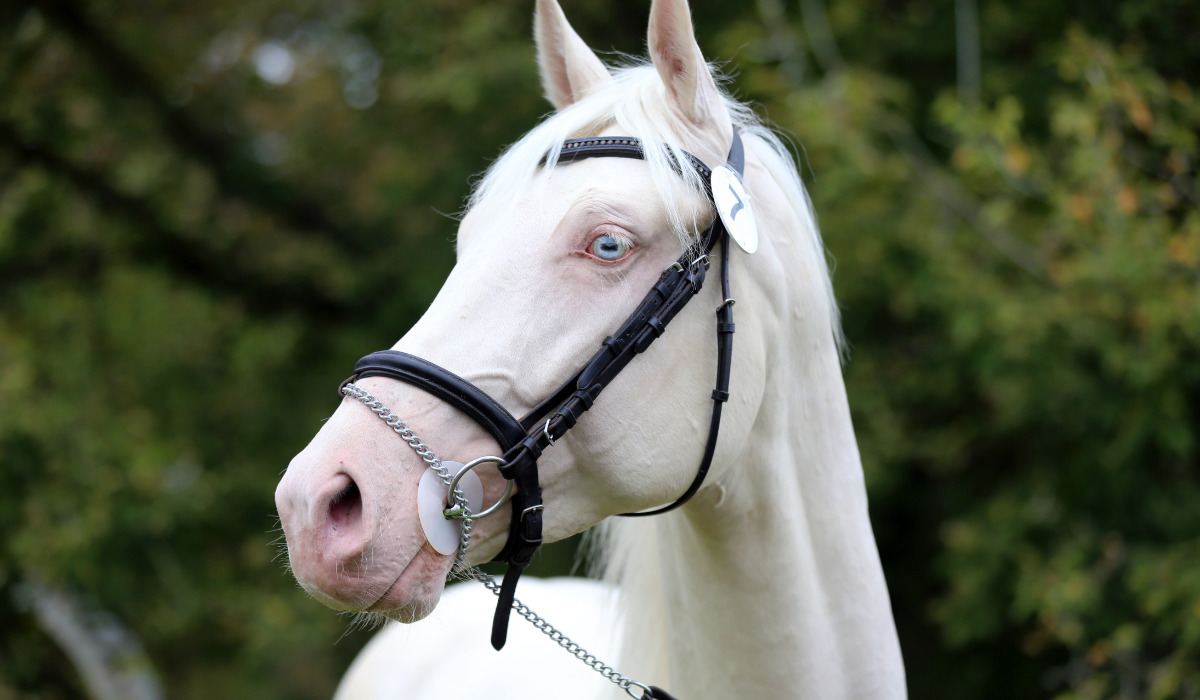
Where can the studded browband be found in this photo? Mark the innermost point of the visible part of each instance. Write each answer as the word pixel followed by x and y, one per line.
pixel 524 440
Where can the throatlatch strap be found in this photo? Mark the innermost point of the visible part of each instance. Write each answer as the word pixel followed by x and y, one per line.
pixel 720 394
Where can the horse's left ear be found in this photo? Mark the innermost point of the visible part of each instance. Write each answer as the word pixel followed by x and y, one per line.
pixel 690 86
pixel 570 71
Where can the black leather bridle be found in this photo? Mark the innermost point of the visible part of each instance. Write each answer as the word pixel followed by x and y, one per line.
pixel 524 440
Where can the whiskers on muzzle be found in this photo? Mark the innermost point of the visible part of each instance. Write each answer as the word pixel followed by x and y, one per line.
pixel 364 621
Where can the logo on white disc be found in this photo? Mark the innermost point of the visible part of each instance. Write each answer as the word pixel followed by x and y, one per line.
pixel 733 206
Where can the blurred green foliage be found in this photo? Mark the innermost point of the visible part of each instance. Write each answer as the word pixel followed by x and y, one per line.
pixel 208 212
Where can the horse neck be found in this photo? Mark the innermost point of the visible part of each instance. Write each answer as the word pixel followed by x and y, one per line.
pixel 768 584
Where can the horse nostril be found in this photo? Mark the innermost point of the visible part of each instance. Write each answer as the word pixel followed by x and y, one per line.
pixel 345 508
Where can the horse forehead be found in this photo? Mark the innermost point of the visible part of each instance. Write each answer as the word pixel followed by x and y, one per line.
pixel 618 188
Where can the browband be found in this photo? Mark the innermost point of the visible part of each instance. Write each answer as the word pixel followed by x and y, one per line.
pixel 524 440
pixel 627 147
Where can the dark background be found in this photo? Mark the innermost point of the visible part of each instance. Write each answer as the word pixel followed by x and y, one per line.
pixel 209 210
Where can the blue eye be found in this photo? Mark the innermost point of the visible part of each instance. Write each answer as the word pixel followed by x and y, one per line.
pixel 609 248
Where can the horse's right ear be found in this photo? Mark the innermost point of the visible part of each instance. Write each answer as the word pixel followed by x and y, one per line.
pixel 570 71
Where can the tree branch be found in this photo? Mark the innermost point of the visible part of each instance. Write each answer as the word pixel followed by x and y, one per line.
pixel 109 658
pixel 944 187
pixel 236 176
pixel 159 243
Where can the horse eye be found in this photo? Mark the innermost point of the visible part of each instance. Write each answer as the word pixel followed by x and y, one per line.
pixel 609 248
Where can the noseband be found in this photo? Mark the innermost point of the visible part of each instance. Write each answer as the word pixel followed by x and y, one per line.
pixel 523 441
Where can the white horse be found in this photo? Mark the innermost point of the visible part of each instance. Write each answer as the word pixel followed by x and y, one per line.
pixel 767 584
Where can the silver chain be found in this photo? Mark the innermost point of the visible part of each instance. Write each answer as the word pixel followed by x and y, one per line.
pixel 407 435
pixel 565 642
pixel 461 570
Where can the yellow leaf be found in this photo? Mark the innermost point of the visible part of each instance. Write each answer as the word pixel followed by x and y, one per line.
pixel 1099 653
pixel 1016 159
pixel 1081 208
pixel 963 158
pixel 1182 250
pixel 1139 112
pixel 1127 200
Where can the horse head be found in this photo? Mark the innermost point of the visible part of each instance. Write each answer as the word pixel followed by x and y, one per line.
pixel 555 253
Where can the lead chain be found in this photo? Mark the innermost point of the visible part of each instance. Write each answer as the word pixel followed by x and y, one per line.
pixel 626 683
pixel 461 570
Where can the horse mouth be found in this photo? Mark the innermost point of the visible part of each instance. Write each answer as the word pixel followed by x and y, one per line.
pixel 415 591
pixel 375 607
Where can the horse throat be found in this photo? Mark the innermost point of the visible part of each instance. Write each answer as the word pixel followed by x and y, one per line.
pixel 769 584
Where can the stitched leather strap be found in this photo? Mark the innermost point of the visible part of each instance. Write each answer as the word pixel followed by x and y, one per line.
pixel 625 147
pixel 676 286
pixel 449 387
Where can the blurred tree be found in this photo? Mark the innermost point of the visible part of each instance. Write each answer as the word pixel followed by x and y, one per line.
pixel 208 212
pixel 1019 279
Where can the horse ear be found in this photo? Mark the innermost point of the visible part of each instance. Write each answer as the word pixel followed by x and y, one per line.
pixel 691 88
pixel 569 68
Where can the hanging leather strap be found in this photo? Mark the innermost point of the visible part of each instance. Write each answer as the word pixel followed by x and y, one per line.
pixel 524 538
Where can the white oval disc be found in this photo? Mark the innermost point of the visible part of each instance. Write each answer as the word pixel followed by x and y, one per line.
pixel 733 206
pixel 443 533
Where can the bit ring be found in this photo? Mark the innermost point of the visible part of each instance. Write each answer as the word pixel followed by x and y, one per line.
pixel 461 513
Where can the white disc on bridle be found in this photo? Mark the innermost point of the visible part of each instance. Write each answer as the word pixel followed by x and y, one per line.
pixel 445 534
pixel 733 206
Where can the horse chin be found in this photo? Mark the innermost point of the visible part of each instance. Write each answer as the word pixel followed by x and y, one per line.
pixel 416 591
pixel 399 577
